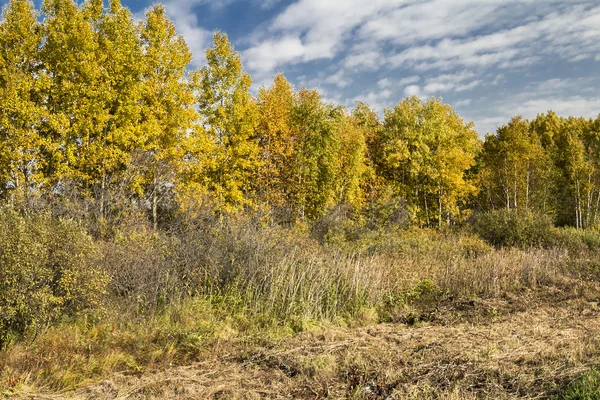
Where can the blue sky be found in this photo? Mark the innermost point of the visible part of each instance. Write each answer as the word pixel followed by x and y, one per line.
pixel 490 59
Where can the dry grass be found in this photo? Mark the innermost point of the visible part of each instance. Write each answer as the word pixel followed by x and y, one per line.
pixel 274 316
pixel 515 355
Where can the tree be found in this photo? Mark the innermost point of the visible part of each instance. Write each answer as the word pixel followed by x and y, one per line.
pixel 119 54
pixel 167 112
pixel 516 169
pixel 591 138
pixel 277 140
pixel 368 121
pixel 574 186
pixel 315 163
pixel 230 117
pixel 353 167
pixel 72 96
pixel 426 151
pixel 21 163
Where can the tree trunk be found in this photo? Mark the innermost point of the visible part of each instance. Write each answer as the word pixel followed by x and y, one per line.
pixel 527 188
pixel 597 208
pixel 577 209
pixel 439 207
pixel 515 188
pixel 426 208
pixel 155 203
pixel 590 193
pixel 102 191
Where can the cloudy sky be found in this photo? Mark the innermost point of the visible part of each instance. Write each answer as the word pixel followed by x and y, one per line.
pixel 490 59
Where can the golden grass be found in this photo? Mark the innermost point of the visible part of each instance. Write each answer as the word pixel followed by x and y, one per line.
pixel 468 322
pixel 522 354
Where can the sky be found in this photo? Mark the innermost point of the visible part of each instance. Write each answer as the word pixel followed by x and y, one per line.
pixel 489 59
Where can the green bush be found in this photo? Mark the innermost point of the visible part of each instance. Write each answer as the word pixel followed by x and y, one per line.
pixel 515 228
pixel 577 241
pixel 48 269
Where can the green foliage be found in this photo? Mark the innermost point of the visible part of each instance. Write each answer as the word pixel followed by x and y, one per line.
pixel 515 170
pixel 316 161
pixel 524 229
pixel 230 115
pixel 586 387
pixel 426 151
pixel 578 242
pixel 48 269
pixel 519 228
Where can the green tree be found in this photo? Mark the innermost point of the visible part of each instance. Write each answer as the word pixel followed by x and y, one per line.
pixel 516 169
pixel 353 162
pixel 591 139
pixel 367 120
pixel 575 186
pixel 315 164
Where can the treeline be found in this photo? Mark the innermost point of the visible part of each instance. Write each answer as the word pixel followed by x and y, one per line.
pixel 96 104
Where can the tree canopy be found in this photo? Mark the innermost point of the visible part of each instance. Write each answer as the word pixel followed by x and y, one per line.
pixel 96 104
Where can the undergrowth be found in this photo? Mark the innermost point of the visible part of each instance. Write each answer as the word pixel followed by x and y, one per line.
pixel 165 298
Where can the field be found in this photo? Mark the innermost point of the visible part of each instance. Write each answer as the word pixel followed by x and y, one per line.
pixel 517 347
pixel 404 314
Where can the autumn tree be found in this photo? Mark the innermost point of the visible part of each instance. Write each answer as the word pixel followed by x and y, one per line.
pixel 353 163
pixel 167 111
pixel 315 162
pixel 575 185
pixel 21 92
pixel 72 96
pixel 230 117
pixel 369 122
pixel 119 53
pixel 591 138
pixel 277 140
pixel 515 168
pixel 426 150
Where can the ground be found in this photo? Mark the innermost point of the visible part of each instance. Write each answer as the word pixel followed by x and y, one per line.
pixel 518 346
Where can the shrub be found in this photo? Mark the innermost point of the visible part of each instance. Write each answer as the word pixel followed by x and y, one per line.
pixel 577 241
pixel 48 269
pixel 514 228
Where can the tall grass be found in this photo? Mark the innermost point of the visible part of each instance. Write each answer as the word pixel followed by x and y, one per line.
pixel 173 294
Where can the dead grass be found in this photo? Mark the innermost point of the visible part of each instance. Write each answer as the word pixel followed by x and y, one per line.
pixel 531 353
pixel 288 320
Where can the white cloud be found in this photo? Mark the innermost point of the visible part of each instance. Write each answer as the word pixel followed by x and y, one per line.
pixel 271 53
pixel 567 97
pixel 426 47
pixel 529 107
pixel 385 83
pixel 187 24
pixel 377 100
pixel 338 79
pixel 412 90
pixel 408 80
pixel 323 27
pixel 266 4
pixel 369 60
pixel 458 82
pixel 573 32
